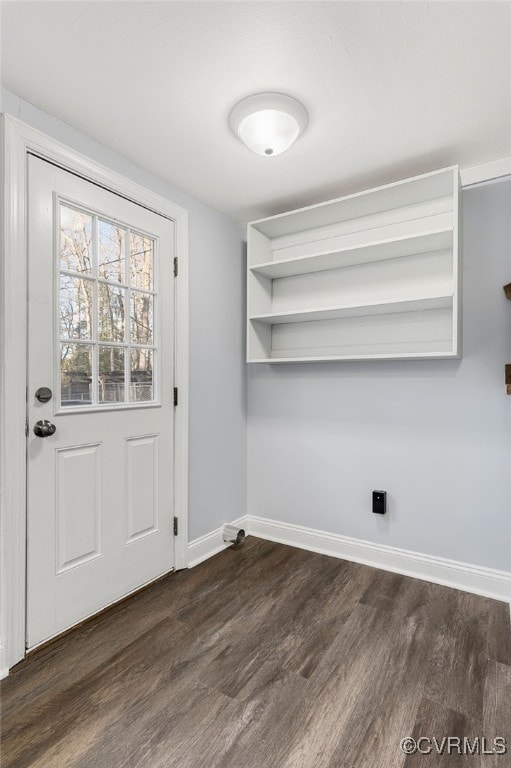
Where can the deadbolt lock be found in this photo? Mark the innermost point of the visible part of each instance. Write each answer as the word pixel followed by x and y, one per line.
pixel 43 394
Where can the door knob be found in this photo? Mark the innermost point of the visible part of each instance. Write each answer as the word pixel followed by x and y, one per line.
pixel 44 428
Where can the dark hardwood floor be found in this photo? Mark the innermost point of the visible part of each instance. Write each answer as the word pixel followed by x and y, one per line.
pixel 267 657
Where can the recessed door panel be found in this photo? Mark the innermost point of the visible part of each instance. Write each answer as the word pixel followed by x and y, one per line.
pixel 79 496
pixel 141 487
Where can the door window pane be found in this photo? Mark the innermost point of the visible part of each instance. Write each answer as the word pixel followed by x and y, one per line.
pixel 111 246
pixel 75 240
pixel 75 374
pixel 111 319
pixel 141 318
pixel 106 312
pixel 111 374
pixel 76 307
pixel 141 261
pixel 141 382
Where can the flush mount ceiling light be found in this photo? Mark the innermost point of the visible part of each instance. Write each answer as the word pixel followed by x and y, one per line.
pixel 268 123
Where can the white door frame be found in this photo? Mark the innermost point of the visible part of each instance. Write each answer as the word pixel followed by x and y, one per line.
pixel 18 139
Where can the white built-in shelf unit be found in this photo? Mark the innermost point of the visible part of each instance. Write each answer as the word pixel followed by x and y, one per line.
pixel 375 275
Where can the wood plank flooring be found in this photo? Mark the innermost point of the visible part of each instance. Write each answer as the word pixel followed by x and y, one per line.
pixel 267 657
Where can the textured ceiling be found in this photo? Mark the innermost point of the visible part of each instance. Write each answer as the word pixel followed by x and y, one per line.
pixel 392 88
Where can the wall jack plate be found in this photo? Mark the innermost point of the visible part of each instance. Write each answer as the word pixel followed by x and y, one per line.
pixel 379 502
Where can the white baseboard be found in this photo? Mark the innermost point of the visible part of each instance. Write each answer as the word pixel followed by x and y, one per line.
pixel 210 544
pixel 3 673
pixel 450 573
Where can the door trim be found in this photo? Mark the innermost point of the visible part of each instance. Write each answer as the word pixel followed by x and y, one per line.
pixel 19 139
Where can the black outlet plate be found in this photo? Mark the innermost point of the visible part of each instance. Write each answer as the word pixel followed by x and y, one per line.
pixel 379 502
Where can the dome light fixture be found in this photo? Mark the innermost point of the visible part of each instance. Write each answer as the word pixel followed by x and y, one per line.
pixel 268 123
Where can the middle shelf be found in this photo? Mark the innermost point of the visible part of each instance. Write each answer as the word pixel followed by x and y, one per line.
pixel 422 303
pixel 381 250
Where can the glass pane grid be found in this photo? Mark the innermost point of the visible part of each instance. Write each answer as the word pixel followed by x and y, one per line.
pixel 76 374
pixel 141 261
pixel 111 313
pixel 76 304
pixel 111 251
pixel 112 375
pixel 76 240
pixel 143 346
pixel 121 285
pixel 106 312
pixel 141 375
pixel 81 275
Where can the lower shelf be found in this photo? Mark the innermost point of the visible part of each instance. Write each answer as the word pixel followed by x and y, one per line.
pixel 360 357
pixel 426 333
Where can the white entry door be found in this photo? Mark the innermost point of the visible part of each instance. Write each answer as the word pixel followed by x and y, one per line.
pixel 100 399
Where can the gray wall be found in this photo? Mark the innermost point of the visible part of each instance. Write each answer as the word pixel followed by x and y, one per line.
pixel 217 371
pixel 435 434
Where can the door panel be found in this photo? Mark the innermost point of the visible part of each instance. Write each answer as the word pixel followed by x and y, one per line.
pixel 142 487
pixel 78 508
pixel 101 336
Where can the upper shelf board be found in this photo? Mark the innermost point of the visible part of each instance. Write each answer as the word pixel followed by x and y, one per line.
pixel 428 186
